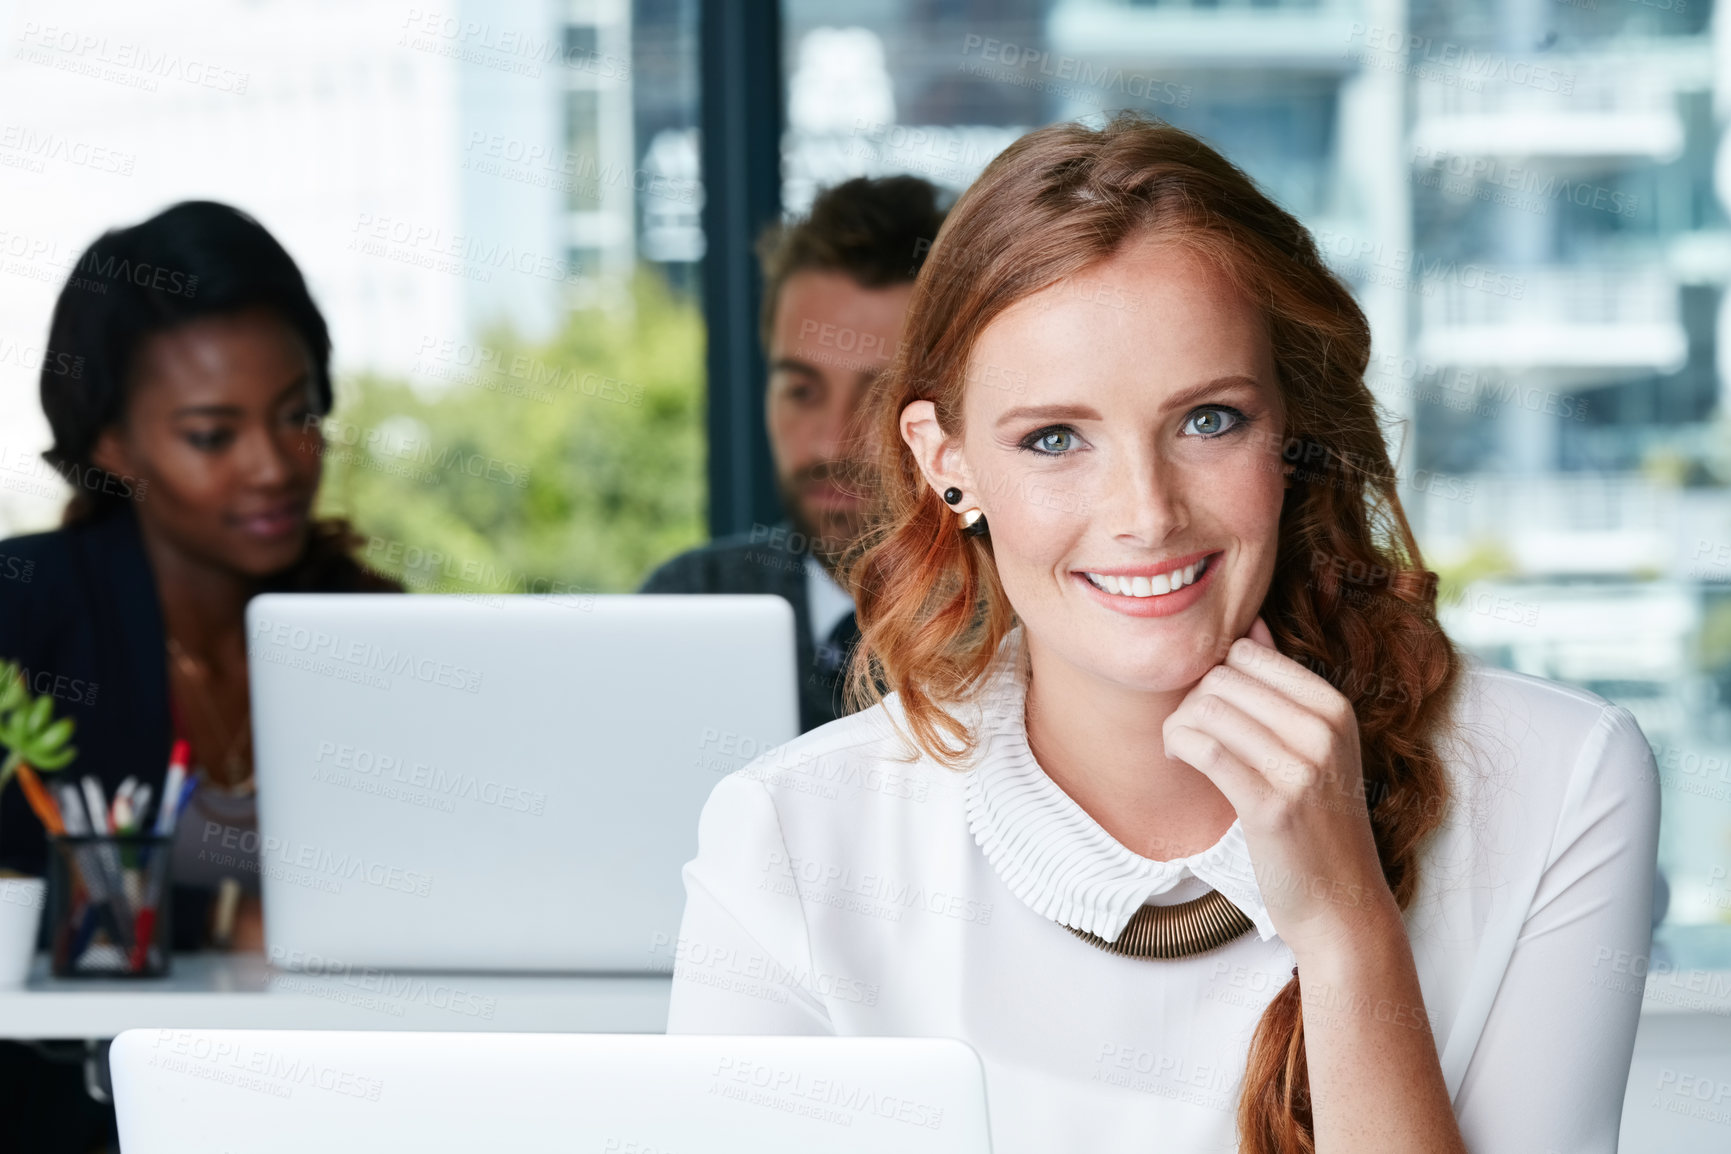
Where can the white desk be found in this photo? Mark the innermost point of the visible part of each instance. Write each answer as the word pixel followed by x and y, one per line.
pixel 240 991
pixel 1685 1019
pixel 216 991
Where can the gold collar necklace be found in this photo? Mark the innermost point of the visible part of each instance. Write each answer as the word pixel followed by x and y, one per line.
pixel 1192 927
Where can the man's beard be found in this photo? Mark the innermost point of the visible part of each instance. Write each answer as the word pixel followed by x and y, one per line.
pixel 829 531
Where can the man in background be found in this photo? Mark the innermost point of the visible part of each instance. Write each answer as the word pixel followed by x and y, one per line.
pixel 836 287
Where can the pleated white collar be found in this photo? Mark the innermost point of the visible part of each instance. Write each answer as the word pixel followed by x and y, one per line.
pixel 1046 848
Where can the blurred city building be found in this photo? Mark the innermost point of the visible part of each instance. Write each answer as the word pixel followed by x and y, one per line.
pixel 1529 199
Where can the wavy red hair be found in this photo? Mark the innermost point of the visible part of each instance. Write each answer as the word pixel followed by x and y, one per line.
pixel 1350 596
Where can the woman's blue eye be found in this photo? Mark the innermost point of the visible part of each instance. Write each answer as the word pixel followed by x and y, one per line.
pixel 1214 420
pixel 1050 442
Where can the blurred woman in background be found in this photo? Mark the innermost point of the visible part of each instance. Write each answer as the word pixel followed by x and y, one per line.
pixel 187 373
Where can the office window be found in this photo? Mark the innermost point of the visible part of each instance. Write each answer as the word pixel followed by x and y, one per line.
pixel 1527 198
pixel 517 329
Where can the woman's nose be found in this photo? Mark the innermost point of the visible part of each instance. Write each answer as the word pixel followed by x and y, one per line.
pixel 1148 500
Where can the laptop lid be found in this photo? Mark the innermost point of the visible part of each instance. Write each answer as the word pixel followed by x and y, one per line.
pixel 293 1091
pixel 498 783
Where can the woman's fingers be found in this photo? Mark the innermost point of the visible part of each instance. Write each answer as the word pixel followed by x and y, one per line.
pixel 1301 733
pixel 1248 727
pixel 1259 659
pixel 1261 725
pixel 1243 786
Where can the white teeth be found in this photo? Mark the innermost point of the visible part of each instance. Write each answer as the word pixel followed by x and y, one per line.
pixel 1149 586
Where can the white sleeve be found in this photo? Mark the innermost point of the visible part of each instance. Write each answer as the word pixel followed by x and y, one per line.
pixel 743 961
pixel 1552 1063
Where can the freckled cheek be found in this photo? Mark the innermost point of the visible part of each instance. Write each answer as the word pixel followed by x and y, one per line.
pixel 1245 502
pixel 1246 491
pixel 1033 530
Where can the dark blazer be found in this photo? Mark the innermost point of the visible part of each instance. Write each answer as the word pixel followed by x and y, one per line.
pixel 79 610
pixel 760 561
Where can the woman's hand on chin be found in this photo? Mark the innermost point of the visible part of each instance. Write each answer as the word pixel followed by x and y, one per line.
pixel 1282 744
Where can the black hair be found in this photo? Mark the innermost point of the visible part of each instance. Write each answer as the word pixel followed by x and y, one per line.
pixel 876 230
pixel 196 259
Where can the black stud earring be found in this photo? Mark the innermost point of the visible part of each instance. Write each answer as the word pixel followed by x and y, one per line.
pixel 952 495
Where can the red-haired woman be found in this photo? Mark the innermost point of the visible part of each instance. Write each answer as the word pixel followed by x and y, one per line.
pixel 1182 810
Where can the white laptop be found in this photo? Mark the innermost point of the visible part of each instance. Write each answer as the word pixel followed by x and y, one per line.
pixel 336 1092
pixel 498 783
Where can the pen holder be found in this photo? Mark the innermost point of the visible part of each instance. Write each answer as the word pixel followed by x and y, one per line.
pixel 108 897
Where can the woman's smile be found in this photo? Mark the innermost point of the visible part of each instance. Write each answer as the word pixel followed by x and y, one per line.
pixel 1151 590
pixel 278 521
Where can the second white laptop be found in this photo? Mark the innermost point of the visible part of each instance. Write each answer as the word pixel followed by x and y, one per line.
pixel 500 783
pixel 296 1091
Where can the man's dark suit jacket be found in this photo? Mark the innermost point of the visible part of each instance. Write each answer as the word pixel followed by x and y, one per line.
pixel 760 561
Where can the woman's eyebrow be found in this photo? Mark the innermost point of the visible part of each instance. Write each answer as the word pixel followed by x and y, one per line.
pixel 214 410
pixel 208 411
pixel 1178 400
pixel 1049 413
pixel 1185 397
pixel 299 384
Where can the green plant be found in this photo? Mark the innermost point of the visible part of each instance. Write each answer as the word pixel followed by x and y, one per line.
pixel 574 465
pixel 28 729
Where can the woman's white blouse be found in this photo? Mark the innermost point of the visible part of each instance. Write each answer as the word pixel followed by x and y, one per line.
pixel 842 888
